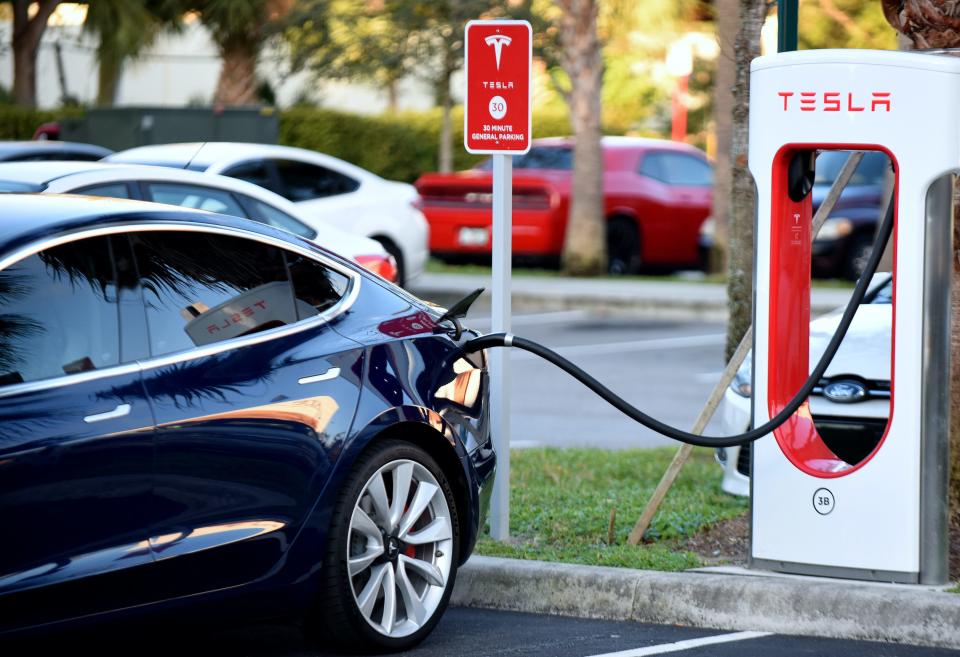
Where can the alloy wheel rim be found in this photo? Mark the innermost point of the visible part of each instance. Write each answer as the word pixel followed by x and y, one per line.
pixel 399 548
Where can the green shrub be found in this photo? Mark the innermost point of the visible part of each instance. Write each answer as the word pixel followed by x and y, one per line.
pixel 396 146
pixel 21 122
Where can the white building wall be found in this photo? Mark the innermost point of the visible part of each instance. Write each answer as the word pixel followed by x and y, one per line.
pixel 182 69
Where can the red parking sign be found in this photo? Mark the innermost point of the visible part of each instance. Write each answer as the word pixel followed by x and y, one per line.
pixel 496 117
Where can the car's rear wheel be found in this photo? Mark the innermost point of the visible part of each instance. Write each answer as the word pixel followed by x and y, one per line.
pixel 623 246
pixel 391 557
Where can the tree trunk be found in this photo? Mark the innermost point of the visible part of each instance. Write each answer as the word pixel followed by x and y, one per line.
pixel 238 76
pixel 108 77
pixel 392 95
pixel 27 33
pixel 445 153
pixel 584 248
pixel 726 11
pixel 740 260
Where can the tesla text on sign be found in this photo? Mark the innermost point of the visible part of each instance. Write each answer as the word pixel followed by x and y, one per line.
pixel 497 99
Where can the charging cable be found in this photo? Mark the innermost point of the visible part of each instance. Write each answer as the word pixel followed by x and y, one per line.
pixel 494 340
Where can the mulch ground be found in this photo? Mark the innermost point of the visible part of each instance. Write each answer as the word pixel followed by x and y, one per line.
pixel 728 543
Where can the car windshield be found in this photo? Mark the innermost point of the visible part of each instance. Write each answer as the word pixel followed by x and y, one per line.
pixel 869 172
pixel 884 294
pixel 540 157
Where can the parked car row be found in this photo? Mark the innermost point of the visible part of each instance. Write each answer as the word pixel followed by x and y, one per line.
pixel 315 191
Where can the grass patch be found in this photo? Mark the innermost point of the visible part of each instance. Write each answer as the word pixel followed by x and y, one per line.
pixel 561 501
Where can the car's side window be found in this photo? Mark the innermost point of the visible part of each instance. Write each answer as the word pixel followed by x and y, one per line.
pixel 112 190
pixel 676 169
pixel 58 313
pixel 195 196
pixel 316 287
pixel 267 214
pixel 303 182
pixel 202 288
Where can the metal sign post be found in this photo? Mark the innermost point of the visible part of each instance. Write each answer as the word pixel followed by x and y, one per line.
pixel 500 358
pixel 496 121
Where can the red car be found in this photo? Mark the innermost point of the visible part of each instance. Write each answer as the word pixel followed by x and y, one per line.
pixel 656 195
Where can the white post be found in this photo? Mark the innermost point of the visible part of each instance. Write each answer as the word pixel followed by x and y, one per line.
pixel 502 248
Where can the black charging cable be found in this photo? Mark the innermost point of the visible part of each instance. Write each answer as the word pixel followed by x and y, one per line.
pixel 509 340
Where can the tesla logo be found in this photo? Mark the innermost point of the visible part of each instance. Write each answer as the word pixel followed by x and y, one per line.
pixel 498 41
pixel 834 101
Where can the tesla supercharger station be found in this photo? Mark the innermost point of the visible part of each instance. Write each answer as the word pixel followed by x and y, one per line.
pixel 885 517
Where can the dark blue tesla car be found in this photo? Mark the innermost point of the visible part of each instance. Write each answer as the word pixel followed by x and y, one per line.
pixel 199 409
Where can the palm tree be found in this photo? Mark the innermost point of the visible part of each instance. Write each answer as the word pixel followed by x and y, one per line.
pixel 125 28
pixel 28 29
pixel 240 28
pixel 584 249
pixel 926 25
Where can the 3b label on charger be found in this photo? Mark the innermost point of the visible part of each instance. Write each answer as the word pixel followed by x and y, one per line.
pixel 823 501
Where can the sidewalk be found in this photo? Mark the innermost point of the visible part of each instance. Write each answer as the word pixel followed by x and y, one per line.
pixel 719 598
pixel 680 299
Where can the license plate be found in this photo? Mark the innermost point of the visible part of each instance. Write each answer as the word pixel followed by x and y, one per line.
pixel 473 237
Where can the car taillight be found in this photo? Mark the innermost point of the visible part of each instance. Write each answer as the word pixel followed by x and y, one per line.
pixel 381 265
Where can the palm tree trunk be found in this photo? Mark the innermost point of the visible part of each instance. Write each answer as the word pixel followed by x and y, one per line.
pixel 727 23
pixel 108 77
pixel 445 153
pixel 584 248
pixel 740 257
pixel 238 75
pixel 27 33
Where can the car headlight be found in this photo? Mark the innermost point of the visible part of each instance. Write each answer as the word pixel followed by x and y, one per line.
pixel 708 228
pixel 834 228
pixel 742 383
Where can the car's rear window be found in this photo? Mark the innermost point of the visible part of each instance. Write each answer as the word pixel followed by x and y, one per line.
pixel 540 157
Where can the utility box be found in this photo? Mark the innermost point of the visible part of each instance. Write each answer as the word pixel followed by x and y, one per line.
pixel 883 517
pixel 119 128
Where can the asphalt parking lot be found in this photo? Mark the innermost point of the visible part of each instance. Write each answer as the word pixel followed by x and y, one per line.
pixel 483 633
pixel 665 366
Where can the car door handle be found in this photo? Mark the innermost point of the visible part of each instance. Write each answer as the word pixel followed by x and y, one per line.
pixel 120 411
pixel 332 373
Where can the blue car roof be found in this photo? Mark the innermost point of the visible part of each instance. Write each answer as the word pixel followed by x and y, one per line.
pixel 26 218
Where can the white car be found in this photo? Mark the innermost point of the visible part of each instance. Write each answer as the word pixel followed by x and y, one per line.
pixel 192 190
pixel 851 405
pixel 323 187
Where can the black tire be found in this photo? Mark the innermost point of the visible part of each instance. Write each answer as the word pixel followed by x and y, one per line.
pixel 337 618
pixel 857 256
pixel 623 246
pixel 394 250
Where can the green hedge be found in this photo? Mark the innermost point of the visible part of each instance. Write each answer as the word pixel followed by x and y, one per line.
pixel 398 146
pixel 21 122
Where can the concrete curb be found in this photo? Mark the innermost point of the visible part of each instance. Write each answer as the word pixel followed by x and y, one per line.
pixel 809 606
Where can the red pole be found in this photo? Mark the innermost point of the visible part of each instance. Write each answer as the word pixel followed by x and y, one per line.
pixel 678 130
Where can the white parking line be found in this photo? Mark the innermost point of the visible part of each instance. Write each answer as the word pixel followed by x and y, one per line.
pixel 689 644
pixel 633 345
